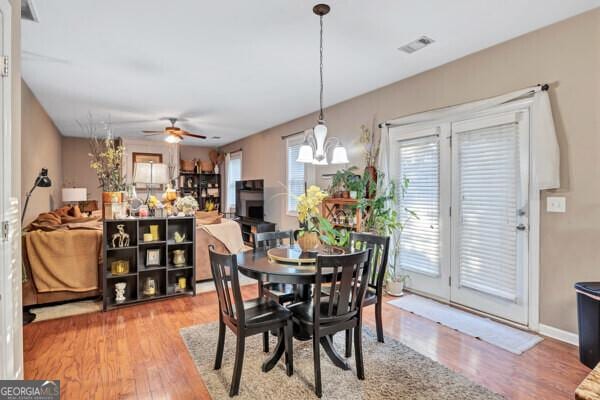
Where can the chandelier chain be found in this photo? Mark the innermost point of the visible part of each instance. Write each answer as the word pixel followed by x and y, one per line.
pixel 321 71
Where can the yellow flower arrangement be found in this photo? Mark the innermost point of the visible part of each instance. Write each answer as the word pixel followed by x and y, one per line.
pixel 308 207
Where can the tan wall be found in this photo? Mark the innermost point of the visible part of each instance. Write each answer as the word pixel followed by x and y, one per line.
pixel 567 55
pixel 76 167
pixel 40 148
pixel 191 152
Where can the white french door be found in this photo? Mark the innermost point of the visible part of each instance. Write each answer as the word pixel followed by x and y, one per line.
pixel 423 248
pixel 490 181
pixel 468 184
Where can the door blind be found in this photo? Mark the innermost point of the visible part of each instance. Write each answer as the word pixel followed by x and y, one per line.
pixel 488 175
pixel 419 163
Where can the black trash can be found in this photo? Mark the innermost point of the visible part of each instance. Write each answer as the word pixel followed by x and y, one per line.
pixel 588 317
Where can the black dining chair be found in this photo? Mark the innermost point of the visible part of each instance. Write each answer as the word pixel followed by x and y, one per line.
pixel 341 310
pixel 279 292
pixel 245 318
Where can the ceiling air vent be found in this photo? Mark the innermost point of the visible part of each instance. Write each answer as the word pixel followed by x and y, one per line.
pixel 28 11
pixel 416 45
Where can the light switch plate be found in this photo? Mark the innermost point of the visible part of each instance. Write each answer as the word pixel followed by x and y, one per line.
pixel 556 204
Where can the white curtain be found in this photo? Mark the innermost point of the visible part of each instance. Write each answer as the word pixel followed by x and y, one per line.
pixel 545 152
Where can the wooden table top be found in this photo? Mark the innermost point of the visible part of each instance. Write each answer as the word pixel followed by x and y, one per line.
pixel 589 389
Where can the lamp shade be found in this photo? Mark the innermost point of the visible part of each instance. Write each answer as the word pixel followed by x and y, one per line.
pixel 151 173
pixel 305 154
pixel 73 195
pixel 339 155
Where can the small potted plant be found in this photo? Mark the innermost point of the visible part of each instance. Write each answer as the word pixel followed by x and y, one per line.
pixel 340 182
pixel 395 283
pixel 308 217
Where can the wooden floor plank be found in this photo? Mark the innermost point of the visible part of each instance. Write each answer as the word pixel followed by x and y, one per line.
pixel 137 353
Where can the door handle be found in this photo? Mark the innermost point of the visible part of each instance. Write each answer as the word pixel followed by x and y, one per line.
pixel 521 227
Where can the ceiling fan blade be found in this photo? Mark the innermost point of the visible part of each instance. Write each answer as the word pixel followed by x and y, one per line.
pixel 151 134
pixel 186 133
pixel 153 131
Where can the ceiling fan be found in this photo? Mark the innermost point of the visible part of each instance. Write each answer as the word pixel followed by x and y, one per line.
pixel 174 133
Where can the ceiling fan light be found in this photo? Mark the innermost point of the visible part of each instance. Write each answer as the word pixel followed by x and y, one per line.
pixel 172 139
pixel 339 156
pixel 305 154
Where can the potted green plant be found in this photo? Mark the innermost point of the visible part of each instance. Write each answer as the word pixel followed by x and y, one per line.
pixel 339 183
pixel 371 146
pixel 332 236
pixel 394 284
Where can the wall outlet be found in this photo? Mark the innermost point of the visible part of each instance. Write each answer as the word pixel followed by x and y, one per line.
pixel 556 204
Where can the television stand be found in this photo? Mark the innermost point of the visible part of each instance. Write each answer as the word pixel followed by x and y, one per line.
pixel 251 225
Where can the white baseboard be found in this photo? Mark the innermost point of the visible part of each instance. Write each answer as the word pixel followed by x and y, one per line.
pixel 559 334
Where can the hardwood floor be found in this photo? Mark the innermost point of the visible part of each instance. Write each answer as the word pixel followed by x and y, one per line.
pixel 137 352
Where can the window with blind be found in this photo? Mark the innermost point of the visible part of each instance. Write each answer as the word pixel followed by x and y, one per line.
pixel 234 173
pixel 488 171
pixel 419 163
pixel 295 174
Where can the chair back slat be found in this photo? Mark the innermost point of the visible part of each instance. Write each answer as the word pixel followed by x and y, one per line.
pixel 269 240
pixel 224 270
pixel 379 246
pixel 348 287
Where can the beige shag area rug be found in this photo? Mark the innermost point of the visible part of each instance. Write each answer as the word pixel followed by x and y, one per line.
pixel 393 371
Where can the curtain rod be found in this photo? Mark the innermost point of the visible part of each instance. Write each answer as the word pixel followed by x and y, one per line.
pixel 292 134
pixel 235 151
pixel 543 86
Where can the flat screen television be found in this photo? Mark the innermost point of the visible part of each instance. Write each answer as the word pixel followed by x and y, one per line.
pixel 249 199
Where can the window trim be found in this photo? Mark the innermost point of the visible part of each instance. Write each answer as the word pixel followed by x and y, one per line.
pixel 295 140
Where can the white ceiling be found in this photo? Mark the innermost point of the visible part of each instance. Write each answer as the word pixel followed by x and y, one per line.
pixel 233 68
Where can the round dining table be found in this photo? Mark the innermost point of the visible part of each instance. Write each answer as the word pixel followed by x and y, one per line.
pixel 257 264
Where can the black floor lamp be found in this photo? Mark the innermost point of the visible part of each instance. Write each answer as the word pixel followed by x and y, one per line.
pixel 42 180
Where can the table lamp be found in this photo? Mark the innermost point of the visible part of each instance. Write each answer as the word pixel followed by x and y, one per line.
pixel 150 174
pixel 74 195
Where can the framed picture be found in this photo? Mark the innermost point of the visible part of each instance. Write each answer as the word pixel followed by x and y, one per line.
pixel 152 257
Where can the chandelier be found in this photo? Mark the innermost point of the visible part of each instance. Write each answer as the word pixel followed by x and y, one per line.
pixel 316 144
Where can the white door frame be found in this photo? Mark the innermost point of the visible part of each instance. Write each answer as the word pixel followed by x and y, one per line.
pixel 534 201
pixel 11 330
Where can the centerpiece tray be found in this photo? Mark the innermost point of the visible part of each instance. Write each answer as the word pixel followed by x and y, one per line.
pixel 295 255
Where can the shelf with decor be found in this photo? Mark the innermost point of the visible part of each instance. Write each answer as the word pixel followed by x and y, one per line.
pixel 144 262
pixel 342 213
pixel 203 187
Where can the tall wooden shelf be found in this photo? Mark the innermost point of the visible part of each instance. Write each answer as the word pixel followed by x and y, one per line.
pixel 198 185
pixel 165 274
pixel 338 209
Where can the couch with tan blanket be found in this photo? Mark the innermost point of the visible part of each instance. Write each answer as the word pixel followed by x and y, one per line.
pixel 62 257
pixel 226 236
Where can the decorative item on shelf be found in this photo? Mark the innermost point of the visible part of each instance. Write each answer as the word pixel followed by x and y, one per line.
pixel 120 239
pixel 154 232
pixel 170 194
pixel 105 159
pixel 149 287
pixel 179 257
pixel 41 180
pixel 160 211
pixel 88 206
pixel 152 257
pixel 187 204
pixel 316 145
pixel 119 267
pixel 120 292
pixel 147 237
pixel 342 182
pixel 187 165
pixel 209 205
pixel 206 166
pixel 308 212
pixel 143 211
pixel 180 284
pixel 178 237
